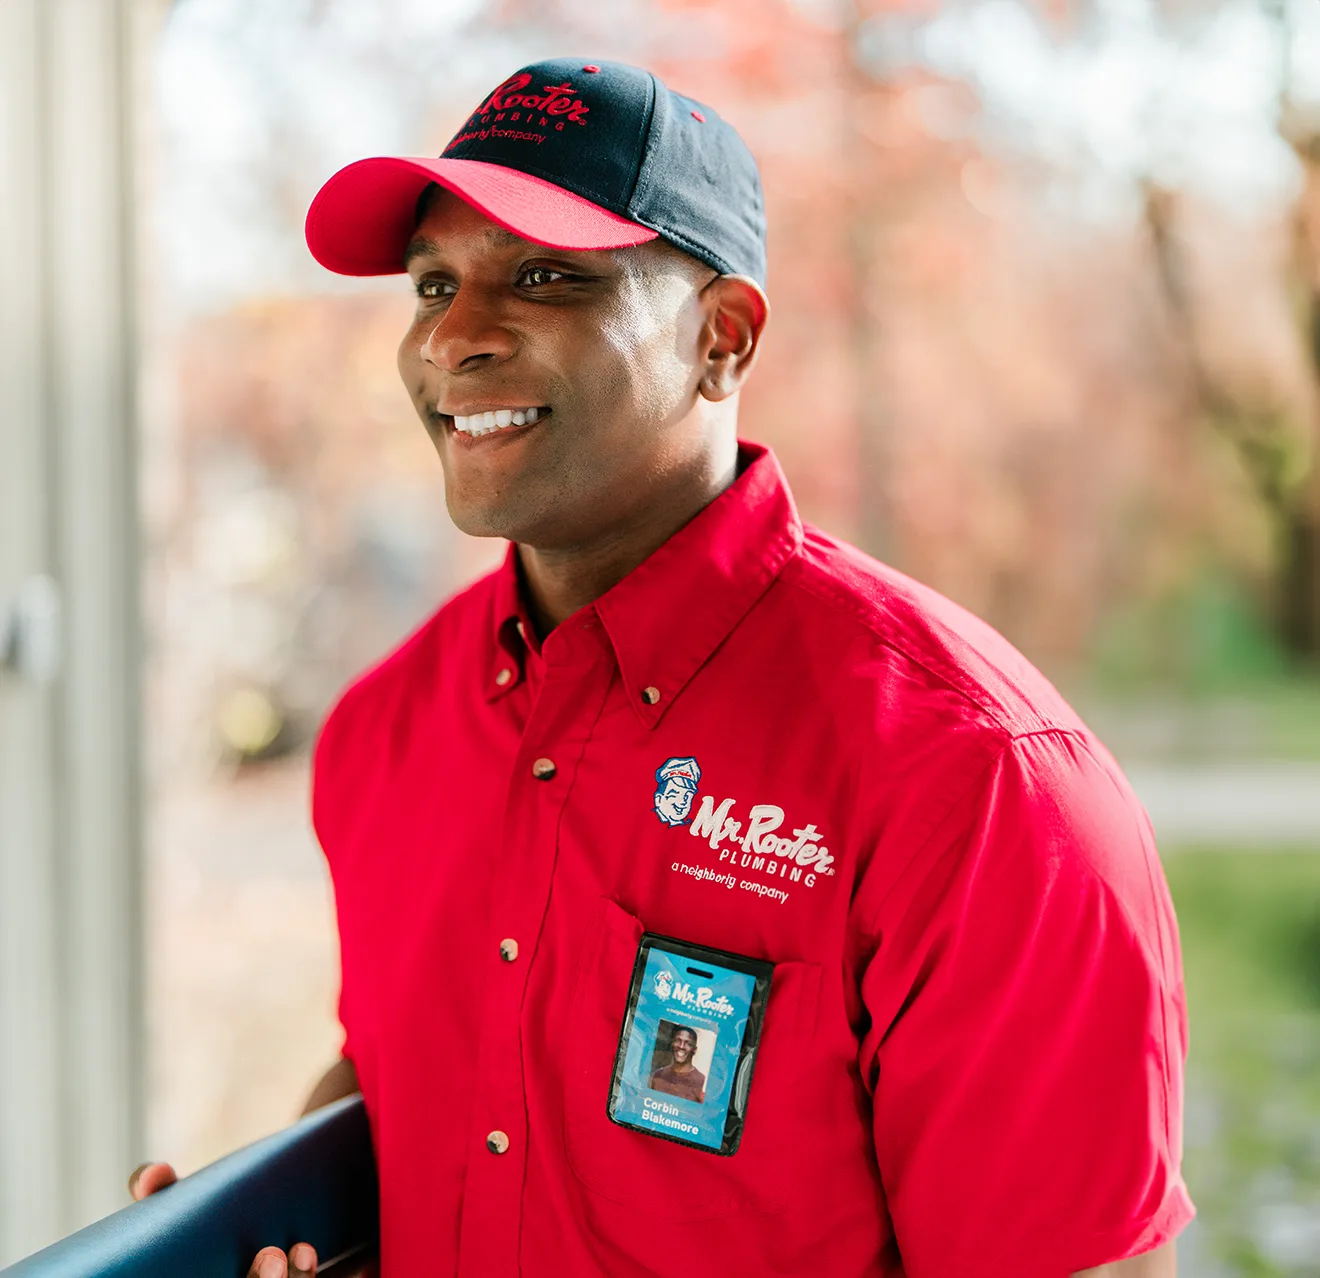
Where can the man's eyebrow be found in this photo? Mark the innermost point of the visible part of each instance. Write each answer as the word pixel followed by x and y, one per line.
pixel 503 237
pixel 418 246
pixel 497 236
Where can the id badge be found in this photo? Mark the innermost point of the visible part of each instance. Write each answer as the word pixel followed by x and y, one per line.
pixel 687 1049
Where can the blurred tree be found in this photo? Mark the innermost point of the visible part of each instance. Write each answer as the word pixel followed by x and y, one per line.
pixel 1268 433
pixel 1300 507
pixel 867 206
pixel 1277 436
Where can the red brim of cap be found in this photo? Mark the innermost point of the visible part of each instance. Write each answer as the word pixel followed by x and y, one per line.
pixel 362 219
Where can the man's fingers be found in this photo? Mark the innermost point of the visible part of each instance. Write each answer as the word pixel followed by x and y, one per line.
pixel 269 1262
pixel 302 1258
pixel 150 1178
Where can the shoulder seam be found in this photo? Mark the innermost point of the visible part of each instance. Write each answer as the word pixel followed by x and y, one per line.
pixel 1055 730
pixel 1008 742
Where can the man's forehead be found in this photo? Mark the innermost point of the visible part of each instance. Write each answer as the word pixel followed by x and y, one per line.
pixel 495 239
pixel 432 245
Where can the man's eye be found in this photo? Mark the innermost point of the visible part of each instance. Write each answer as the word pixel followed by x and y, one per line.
pixel 534 276
pixel 433 290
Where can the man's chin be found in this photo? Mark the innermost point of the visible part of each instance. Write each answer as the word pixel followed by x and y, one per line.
pixel 481 518
pixel 540 528
pixel 480 524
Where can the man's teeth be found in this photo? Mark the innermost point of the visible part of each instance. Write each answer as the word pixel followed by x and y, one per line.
pixel 484 423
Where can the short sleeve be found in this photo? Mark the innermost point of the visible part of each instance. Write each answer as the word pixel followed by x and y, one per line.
pixel 1028 1028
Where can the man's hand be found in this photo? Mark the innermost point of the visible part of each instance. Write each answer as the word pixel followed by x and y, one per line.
pixel 150 1178
pixel 270 1262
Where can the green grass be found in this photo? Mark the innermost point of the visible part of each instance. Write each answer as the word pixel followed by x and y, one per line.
pixel 1250 925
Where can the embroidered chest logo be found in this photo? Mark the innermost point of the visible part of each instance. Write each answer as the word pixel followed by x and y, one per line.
pixel 755 846
pixel 549 106
pixel 676 782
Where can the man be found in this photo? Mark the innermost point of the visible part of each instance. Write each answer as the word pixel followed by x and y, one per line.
pixel 970 1061
pixel 681 1077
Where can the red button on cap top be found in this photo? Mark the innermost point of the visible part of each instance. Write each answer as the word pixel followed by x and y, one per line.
pixel 591 70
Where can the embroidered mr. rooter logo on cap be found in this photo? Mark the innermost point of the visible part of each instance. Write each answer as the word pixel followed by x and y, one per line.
pixel 549 106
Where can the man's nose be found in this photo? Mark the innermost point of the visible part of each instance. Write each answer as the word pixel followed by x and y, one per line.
pixel 468 335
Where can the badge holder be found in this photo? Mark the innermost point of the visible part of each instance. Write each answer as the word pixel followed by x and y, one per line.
pixel 688 1046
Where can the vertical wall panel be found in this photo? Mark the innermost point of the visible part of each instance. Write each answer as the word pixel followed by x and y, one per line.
pixel 70 880
pixel 93 355
pixel 31 1140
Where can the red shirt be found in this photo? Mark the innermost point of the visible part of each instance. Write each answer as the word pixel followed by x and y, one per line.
pixel 972 1053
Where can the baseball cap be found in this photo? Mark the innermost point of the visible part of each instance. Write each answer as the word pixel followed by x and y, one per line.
pixel 570 154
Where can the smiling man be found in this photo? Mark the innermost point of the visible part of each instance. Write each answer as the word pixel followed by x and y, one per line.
pixel 681 1077
pixel 677 710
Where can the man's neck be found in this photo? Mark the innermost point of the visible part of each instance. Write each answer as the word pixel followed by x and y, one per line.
pixel 558 582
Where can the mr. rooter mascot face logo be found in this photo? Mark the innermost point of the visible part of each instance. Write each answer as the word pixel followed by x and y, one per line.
pixel 676 786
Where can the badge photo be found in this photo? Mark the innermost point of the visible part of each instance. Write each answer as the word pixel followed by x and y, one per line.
pixel 687 1048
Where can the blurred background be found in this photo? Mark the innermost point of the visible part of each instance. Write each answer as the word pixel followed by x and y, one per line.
pixel 1046 335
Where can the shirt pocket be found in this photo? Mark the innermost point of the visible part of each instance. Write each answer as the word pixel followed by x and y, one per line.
pixel 675 1181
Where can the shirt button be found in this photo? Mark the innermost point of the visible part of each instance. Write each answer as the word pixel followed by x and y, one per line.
pixel 651 695
pixel 508 949
pixel 544 769
pixel 497 1143
pixel 504 676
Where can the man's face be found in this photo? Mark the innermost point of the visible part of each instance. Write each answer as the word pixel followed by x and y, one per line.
pixel 604 345
pixel 682 1046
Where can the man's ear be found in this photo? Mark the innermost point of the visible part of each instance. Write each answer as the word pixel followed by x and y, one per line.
pixel 736 314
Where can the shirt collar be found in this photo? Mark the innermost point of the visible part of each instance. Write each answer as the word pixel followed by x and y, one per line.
pixel 668 615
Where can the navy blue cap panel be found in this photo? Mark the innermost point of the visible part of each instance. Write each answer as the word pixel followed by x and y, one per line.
pixel 585 131
pixel 699 187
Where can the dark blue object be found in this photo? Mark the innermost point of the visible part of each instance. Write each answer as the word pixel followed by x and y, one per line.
pixel 313 1182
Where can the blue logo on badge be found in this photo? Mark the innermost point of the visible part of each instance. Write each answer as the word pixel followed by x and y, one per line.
pixel 676 783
